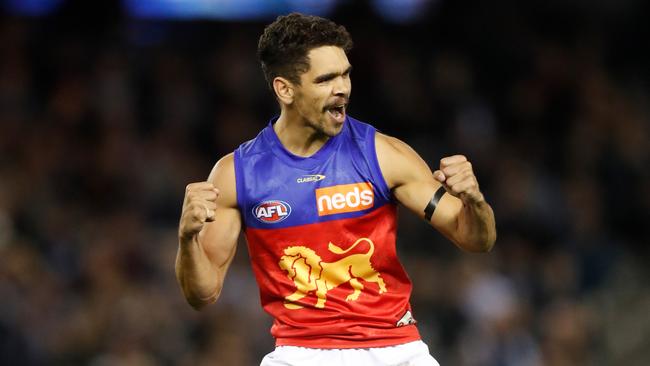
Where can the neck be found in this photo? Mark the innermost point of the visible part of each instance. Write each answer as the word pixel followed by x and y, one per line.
pixel 297 136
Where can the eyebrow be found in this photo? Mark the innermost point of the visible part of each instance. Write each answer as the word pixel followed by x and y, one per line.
pixel 331 75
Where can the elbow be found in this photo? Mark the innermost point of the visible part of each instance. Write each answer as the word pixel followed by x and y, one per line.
pixel 481 246
pixel 196 304
pixel 199 303
pixel 487 245
pixel 196 298
pixel 492 241
pixel 492 238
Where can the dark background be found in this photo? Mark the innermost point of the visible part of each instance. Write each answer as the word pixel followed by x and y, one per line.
pixel 104 118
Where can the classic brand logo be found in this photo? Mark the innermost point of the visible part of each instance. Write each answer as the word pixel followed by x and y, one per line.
pixel 344 198
pixel 271 211
pixel 310 178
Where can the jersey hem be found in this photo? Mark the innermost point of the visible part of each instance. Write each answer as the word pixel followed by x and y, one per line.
pixel 331 343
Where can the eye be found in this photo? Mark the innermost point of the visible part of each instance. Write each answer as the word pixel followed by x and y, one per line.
pixel 323 79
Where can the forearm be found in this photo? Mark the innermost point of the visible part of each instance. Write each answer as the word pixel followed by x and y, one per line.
pixel 476 229
pixel 199 279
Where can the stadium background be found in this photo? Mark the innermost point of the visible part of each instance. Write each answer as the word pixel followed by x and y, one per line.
pixel 108 109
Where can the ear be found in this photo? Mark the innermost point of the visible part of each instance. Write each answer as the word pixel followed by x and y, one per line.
pixel 284 90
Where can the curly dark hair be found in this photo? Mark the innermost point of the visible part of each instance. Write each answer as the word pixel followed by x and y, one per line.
pixel 285 43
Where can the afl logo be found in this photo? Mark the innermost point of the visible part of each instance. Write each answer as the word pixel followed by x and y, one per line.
pixel 271 211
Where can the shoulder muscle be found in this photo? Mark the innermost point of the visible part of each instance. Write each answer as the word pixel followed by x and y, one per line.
pixel 399 163
pixel 223 178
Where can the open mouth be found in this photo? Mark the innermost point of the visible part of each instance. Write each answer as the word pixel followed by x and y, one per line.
pixel 337 113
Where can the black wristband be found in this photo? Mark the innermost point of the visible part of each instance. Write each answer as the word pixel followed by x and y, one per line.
pixel 431 207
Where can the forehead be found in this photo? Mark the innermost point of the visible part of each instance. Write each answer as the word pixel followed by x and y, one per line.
pixel 326 59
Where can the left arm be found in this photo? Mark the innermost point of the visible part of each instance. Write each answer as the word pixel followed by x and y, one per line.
pixel 462 214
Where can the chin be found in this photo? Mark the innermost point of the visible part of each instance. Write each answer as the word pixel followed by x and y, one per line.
pixel 328 128
pixel 332 130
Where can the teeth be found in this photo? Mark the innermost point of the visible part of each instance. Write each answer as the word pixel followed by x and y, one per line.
pixel 337 111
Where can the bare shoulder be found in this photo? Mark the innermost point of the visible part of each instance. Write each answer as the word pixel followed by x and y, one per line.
pixel 390 144
pixel 398 161
pixel 223 178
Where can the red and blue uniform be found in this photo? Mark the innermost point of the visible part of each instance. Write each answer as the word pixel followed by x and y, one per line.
pixel 321 236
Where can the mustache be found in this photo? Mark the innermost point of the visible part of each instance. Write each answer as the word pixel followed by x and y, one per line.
pixel 337 101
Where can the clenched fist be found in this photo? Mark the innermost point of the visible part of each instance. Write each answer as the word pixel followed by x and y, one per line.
pixel 458 178
pixel 199 207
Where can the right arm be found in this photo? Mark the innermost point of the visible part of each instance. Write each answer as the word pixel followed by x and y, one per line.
pixel 208 230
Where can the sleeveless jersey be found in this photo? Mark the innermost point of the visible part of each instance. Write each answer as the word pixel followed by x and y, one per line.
pixel 321 237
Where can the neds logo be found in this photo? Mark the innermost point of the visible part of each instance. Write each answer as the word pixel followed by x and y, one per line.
pixel 344 198
pixel 271 211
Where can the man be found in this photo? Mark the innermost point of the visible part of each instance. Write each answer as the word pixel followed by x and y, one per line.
pixel 316 192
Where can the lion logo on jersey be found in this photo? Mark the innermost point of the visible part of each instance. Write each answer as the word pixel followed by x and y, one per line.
pixel 309 273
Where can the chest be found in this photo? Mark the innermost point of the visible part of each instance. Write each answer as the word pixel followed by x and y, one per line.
pixel 277 195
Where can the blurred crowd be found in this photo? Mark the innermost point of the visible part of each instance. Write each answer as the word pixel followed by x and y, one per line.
pixel 102 126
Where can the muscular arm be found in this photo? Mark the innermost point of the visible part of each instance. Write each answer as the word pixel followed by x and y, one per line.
pixel 208 232
pixel 462 215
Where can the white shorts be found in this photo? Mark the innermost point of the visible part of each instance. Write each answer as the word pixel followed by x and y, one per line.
pixel 408 354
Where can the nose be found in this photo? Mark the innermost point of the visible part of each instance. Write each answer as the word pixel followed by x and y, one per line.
pixel 342 87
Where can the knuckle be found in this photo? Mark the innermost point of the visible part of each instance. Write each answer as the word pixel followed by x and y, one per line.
pixel 196 211
pixel 197 227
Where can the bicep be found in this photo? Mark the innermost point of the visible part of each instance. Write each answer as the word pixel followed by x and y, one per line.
pixel 219 237
pixel 412 184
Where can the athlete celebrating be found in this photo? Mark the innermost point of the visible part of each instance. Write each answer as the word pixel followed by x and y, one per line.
pixel 316 192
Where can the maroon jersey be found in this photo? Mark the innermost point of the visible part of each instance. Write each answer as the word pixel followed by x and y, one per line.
pixel 321 236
